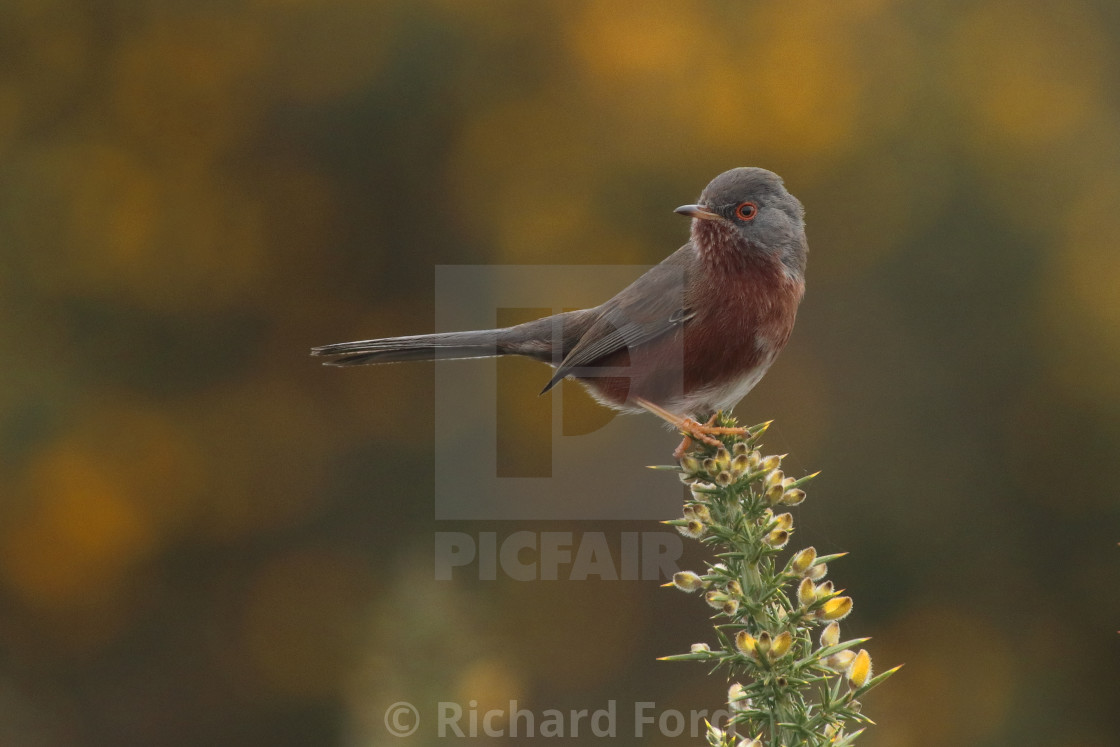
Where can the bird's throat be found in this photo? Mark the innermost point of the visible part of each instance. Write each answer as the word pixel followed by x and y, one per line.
pixel 719 245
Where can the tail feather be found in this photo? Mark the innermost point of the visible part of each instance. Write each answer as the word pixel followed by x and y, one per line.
pixel 536 340
pixel 480 344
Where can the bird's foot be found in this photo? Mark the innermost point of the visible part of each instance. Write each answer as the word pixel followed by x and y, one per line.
pixel 705 432
pixel 691 429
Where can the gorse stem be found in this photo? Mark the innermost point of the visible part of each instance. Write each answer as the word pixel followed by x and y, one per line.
pixel 790 685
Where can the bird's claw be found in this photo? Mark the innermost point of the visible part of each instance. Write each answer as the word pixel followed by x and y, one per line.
pixel 691 429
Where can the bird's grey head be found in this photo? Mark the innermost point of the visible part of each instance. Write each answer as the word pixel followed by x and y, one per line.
pixel 753 205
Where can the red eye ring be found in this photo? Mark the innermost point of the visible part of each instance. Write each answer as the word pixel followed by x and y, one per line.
pixel 746 211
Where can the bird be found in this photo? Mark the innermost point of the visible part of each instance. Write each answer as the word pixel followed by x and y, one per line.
pixel 687 340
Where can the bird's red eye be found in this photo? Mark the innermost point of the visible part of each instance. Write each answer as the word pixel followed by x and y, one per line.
pixel 746 211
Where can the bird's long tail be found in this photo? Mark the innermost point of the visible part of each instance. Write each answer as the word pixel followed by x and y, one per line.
pixel 535 339
pixel 477 344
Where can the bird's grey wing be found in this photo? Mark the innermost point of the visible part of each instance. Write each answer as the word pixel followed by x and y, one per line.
pixel 653 305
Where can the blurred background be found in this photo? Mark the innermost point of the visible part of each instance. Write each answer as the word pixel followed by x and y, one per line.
pixel 207 538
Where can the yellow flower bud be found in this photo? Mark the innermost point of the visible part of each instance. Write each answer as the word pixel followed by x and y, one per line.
pixel 739 465
pixel 698 492
pixel 782 643
pixel 701 648
pixel 840 661
pixel 835 609
pixel 860 670
pixel 730 607
pixel 688 581
pixel 725 478
pixel 737 699
pixel 745 642
pixel 754 459
pixel 711 467
pixel 806 592
pixel 793 497
pixel 690 464
pixel 771 463
pixel 739 449
pixel 734 588
pixel 830 636
pixel 803 560
pixel 763 642
pixel 775 477
pixel 818 571
pixel 773 494
pixel 694 529
pixel 777 538
pixel 785 521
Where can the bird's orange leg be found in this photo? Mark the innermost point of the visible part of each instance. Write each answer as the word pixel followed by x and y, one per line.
pixel 691 429
pixel 686 442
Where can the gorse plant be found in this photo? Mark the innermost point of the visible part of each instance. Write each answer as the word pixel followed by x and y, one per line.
pixel 790 684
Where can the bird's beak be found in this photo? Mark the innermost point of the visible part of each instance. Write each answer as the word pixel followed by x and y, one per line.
pixel 697 211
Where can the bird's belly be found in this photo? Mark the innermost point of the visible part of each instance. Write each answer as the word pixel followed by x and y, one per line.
pixel 693 378
pixel 726 393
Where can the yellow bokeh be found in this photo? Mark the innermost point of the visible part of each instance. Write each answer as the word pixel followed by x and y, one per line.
pixel 179 87
pixel 657 45
pixel 125 231
pixel 78 538
pixel 782 79
pixel 1028 73
pixel 807 103
pixel 97 502
pixel 492 683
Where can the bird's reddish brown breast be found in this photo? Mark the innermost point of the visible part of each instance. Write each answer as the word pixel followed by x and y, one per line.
pixel 736 335
pixel 724 348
